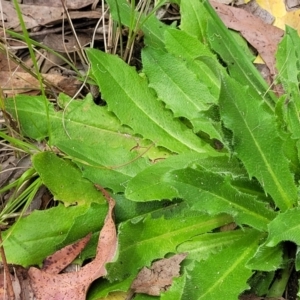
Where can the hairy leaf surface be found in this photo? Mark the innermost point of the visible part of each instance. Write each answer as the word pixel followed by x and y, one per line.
pixel 193 18
pixel 68 186
pixel 267 258
pixel 182 91
pixel 207 191
pixel 239 65
pixel 144 240
pixel 150 184
pixel 223 275
pixel 85 132
pixel 285 227
pixel 129 97
pixel 53 226
pixel 190 49
pixel 202 246
pixel 257 142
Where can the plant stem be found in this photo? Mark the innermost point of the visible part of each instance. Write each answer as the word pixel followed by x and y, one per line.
pixel 279 285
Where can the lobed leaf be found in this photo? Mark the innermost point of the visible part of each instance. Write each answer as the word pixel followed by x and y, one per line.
pixel 190 49
pixel 285 227
pixel 257 142
pixel 20 241
pixel 267 258
pixel 239 65
pixel 213 193
pixel 202 246
pixel 143 240
pixel 86 134
pixel 179 87
pixel 223 275
pixel 128 96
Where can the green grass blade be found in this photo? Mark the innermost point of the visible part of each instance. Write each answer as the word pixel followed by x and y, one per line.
pixel 153 29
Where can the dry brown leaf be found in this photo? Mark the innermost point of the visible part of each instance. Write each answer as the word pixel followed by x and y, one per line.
pixel 159 277
pixel 62 258
pixel 6 65
pixel 253 8
pixel 19 82
pixel 66 43
pixel 40 15
pixel 263 37
pixel 20 282
pixel 74 285
pixel 71 4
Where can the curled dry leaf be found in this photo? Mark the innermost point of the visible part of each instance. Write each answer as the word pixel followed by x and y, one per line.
pixel 48 284
pixel 159 277
pixel 62 258
pixel 263 37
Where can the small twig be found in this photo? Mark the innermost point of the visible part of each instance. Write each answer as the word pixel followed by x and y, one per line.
pixel 130 294
pixel 9 286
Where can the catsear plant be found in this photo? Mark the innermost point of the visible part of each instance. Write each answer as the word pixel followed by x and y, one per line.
pixel 211 140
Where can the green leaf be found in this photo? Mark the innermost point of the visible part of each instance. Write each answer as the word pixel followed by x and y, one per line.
pixel 257 142
pixel 190 49
pixel 193 18
pixel 239 65
pixel 213 193
pixel 101 288
pixel 266 258
pixel 143 240
pixel 148 184
pixel 86 134
pixel 176 289
pixel 223 275
pixel 68 185
pixel 25 245
pixel 129 97
pixel 202 246
pixel 124 210
pixel 179 87
pixel 30 111
pixel 287 64
pixel 176 84
pixel 285 227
